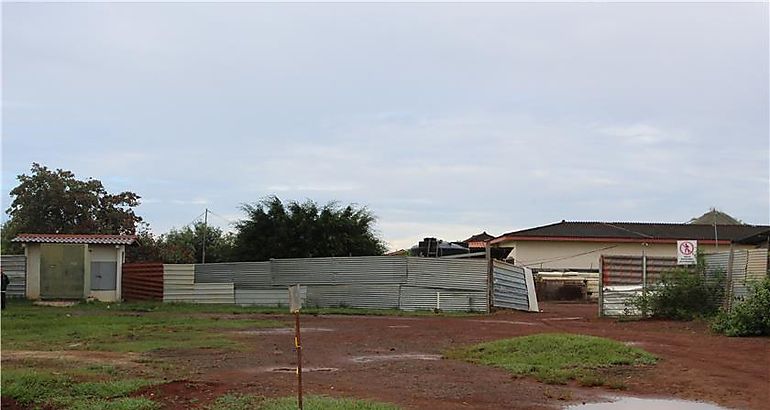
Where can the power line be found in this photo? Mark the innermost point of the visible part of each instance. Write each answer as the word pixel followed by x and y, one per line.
pixel 541 261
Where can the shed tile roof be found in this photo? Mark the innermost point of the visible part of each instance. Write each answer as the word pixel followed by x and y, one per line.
pixel 481 237
pixel 75 238
pixel 634 231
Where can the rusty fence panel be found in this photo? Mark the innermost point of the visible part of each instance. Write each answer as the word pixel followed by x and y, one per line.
pixel 142 281
pixel 623 277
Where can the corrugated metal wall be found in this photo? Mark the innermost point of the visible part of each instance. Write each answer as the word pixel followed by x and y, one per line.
pixel 748 266
pixel 621 279
pixel 510 286
pixel 15 266
pixel 622 275
pixel 382 282
pixel 142 281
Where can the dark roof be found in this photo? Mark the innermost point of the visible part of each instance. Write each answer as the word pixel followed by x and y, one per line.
pixel 715 216
pixel 75 238
pixel 756 238
pixel 481 237
pixel 636 231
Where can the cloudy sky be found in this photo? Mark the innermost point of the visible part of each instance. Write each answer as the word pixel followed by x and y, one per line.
pixel 444 119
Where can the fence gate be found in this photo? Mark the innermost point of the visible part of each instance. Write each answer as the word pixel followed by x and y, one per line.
pixel 625 276
pixel 514 287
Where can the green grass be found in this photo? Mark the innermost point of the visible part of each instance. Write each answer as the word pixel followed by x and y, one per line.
pixel 556 358
pixel 95 327
pixel 236 309
pixel 249 402
pixel 39 388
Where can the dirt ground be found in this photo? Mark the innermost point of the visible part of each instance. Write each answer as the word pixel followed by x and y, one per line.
pixel 398 360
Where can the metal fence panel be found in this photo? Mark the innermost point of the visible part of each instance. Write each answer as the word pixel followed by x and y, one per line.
pixel 15 266
pixel 214 293
pixel 245 275
pixel 622 278
pixel 367 296
pixel 510 286
pixel 369 270
pixel 266 297
pixel 447 274
pixel 305 271
pixel 142 281
pixel 418 298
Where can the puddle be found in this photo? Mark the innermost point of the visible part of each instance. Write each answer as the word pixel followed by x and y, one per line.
pixel 398 356
pixel 399 326
pixel 510 322
pixel 282 331
pixel 562 318
pixel 304 369
pixel 635 403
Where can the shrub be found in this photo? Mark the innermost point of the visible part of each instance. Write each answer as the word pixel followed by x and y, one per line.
pixel 681 294
pixel 750 317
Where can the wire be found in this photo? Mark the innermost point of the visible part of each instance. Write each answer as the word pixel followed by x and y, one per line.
pixel 541 261
pixel 230 221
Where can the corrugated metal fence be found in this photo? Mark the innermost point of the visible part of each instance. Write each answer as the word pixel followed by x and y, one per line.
pixel 747 266
pixel 142 281
pixel 510 286
pixel 381 282
pixel 622 276
pixel 15 266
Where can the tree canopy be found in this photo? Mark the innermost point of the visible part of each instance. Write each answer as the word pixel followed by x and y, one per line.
pixel 48 201
pixel 273 229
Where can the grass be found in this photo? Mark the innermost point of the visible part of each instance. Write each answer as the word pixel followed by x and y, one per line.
pixel 249 402
pixel 280 310
pixel 114 328
pixel 555 358
pixel 40 388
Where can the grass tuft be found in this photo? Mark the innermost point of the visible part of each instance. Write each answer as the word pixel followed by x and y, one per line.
pixel 555 358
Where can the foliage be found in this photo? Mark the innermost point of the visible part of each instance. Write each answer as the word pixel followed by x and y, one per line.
pixel 58 390
pixel 555 358
pixel 682 294
pixel 751 317
pixel 183 245
pixel 273 229
pixel 100 327
pixel 48 201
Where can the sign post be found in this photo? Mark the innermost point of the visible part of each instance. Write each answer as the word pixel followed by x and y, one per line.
pixel 295 303
pixel 686 252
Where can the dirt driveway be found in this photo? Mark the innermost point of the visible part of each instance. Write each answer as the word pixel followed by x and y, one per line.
pixel 397 359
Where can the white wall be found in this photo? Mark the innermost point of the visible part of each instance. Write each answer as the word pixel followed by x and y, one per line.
pixel 32 252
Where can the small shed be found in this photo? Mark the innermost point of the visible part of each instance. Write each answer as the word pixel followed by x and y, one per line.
pixel 71 266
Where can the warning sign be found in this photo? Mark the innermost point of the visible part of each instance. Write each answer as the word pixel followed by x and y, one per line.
pixel 686 252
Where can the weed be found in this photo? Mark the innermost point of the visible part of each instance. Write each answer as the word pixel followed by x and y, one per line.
pixel 555 358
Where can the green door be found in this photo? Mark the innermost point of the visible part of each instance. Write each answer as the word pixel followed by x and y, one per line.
pixel 62 271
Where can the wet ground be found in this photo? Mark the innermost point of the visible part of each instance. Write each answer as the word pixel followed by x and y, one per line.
pixel 399 360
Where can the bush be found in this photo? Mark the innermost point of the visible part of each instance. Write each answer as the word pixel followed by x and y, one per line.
pixel 750 317
pixel 681 294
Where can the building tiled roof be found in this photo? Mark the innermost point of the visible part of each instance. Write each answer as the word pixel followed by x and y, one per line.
pixel 637 231
pixel 75 238
pixel 481 237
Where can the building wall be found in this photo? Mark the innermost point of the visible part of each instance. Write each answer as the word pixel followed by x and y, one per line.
pixel 32 252
pixel 566 255
pixel 94 253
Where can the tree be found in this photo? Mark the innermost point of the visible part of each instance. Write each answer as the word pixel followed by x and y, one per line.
pixel 49 201
pixel 273 229
pixel 185 245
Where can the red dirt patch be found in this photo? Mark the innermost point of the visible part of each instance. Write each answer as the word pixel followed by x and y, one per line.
pixel 183 394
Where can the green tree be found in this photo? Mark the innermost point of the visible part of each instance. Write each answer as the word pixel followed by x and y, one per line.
pixel 48 201
pixel 273 229
pixel 185 245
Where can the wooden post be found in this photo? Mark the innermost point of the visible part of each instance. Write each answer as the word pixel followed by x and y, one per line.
pixel 298 345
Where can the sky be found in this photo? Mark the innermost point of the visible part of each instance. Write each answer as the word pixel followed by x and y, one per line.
pixel 443 119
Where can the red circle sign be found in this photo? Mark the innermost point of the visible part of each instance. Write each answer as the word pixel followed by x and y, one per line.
pixel 686 248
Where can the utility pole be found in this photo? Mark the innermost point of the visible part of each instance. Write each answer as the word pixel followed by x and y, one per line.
pixel 205 229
